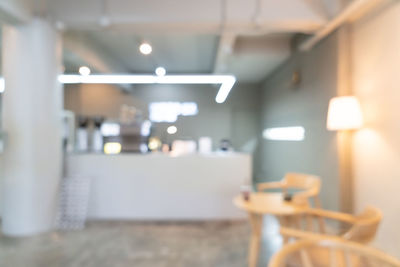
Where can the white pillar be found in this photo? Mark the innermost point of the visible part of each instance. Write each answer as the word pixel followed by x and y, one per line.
pixel 32 104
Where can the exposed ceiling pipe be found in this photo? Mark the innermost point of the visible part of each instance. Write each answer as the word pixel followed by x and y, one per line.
pixel 226 42
pixel 256 19
pixel 354 9
pixel 14 12
pixel 104 20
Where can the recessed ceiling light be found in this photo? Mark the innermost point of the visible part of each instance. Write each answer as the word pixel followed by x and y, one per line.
pixel 105 21
pixel 84 71
pixel 160 71
pixel 145 48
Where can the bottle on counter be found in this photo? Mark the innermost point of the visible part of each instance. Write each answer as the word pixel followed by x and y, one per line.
pixel 97 137
pixel 82 137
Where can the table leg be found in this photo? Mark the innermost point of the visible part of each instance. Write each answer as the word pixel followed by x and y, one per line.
pixel 284 222
pixel 256 221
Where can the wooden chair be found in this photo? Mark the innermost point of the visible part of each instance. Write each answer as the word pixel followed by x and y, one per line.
pixel 327 252
pixel 320 223
pixel 309 186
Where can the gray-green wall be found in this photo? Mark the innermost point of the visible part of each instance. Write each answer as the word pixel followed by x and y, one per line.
pixel 306 104
pixel 248 110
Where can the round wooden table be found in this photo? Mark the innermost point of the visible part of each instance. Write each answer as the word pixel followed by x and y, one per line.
pixel 262 203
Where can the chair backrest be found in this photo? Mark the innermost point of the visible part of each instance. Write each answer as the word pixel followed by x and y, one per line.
pixel 332 253
pixel 359 228
pixel 365 227
pixel 302 181
pixel 309 185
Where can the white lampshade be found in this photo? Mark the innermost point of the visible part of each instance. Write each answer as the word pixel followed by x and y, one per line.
pixel 344 113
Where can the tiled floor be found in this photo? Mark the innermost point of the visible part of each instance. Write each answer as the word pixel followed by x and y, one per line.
pixel 122 244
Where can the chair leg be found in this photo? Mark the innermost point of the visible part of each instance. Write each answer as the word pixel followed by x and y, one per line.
pixel 321 221
pixel 284 221
pixel 305 259
pixel 310 223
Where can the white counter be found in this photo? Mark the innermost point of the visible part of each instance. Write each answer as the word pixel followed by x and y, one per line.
pixel 162 187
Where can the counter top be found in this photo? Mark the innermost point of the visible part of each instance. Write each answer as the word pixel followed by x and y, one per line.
pixel 193 155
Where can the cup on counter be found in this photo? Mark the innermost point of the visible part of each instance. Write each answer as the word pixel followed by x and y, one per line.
pixel 246 191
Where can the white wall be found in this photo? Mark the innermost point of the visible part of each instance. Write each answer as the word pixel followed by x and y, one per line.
pixel 376 78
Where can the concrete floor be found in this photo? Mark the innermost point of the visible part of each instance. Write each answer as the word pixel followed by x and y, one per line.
pixel 123 244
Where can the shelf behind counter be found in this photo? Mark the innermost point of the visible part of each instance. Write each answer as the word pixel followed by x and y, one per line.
pixel 162 187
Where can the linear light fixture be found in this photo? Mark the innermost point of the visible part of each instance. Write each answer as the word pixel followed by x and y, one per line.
pixel 226 81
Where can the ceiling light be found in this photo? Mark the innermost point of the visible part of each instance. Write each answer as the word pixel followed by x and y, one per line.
pixel 105 21
pixel 160 71
pixel 172 129
pixel 226 81
pixel 84 71
pixel 145 48
pixel 108 79
pixel 225 88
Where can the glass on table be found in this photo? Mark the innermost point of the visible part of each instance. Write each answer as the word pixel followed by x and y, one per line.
pixel 245 191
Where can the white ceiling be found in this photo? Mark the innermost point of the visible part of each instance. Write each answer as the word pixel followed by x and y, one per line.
pixel 248 38
pixel 179 53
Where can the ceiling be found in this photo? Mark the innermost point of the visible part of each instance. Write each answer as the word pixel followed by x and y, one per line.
pixel 247 38
pixel 178 53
